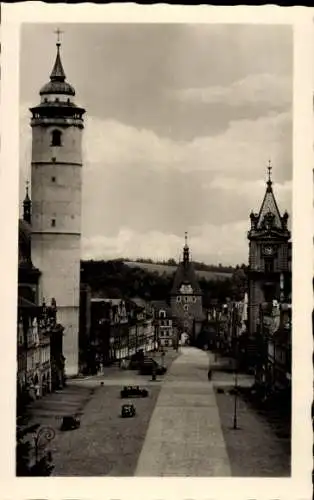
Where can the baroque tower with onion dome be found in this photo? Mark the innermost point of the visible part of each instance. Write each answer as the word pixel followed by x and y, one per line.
pixel 56 182
pixel 269 271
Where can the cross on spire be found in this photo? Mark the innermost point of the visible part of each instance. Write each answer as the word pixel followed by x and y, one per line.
pixel 186 238
pixel 27 185
pixel 58 32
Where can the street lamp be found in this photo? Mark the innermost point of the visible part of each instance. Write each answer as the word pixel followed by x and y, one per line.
pixel 235 407
pixel 235 415
pixel 43 436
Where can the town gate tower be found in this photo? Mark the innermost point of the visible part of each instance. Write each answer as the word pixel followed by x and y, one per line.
pixel 186 297
pixel 56 181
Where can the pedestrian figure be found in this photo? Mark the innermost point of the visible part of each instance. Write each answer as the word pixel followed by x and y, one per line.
pixel 209 374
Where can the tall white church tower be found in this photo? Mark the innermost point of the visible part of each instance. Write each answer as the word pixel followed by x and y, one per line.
pixel 57 125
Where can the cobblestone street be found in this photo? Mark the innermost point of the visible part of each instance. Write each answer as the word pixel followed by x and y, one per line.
pixel 182 428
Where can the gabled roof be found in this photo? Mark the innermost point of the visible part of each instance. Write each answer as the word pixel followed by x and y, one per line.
pixel 185 274
pixel 139 302
pixel 161 305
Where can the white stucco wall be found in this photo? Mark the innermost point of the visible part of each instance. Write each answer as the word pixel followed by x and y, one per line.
pixel 56 227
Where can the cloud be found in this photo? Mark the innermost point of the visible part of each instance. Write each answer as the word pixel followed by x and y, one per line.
pixel 207 243
pixel 266 89
pixel 142 191
pixel 243 147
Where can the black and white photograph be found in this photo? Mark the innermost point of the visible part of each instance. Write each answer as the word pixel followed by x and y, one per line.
pixel 156 188
pixel 154 279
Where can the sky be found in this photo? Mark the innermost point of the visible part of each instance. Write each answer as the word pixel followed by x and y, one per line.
pixel 181 120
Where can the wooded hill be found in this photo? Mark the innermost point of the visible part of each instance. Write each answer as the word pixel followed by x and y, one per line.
pixel 119 279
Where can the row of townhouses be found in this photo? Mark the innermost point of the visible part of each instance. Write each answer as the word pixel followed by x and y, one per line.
pixel 40 360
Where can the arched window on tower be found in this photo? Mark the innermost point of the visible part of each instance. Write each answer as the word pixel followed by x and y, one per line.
pixel 56 138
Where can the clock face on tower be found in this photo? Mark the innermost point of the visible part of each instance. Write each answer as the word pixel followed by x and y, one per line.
pixel 268 250
pixel 186 289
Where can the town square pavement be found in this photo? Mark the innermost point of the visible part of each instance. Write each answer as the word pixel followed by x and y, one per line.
pixel 184 437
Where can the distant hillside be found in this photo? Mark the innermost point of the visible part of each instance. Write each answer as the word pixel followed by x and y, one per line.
pixel 168 270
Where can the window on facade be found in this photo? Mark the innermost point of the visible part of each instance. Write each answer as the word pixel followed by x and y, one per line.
pixel 53 222
pixel 162 314
pixel 53 179
pixel 186 307
pixel 178 299
pixel 269 266
pixel 56 138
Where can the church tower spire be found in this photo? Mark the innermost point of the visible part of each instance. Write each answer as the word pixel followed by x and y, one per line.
pixel 57 125
pixel 269 214
pixel 58 74
pixel 186 250
pixel 269 254
pixel 27 206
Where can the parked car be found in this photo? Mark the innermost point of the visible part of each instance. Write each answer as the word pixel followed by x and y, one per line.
pixel 70 423
pixel 128 410
pixel 133 391
pixel 149 366
pixel 136 360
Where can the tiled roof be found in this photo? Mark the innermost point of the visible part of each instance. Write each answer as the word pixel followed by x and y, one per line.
pixel 185 274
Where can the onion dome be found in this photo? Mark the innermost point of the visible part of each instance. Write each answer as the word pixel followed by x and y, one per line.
pixel 57 84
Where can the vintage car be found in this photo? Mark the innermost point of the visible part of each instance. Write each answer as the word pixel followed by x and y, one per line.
pixel 128 410
pixel 69 423
pixel 136 360
pixel 150 367
pixel 133 391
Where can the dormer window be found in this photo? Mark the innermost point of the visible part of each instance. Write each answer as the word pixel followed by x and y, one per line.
pixel 56 138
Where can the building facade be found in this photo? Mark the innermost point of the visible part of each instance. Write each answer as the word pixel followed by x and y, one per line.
pixel 276 328
pixel 56 182
pixel 39 335
pixel 186 297
pixel 118 328
pixel 166 332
